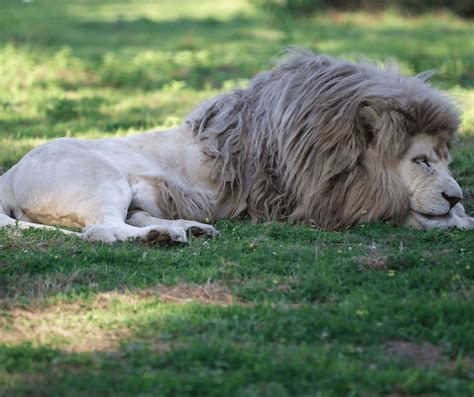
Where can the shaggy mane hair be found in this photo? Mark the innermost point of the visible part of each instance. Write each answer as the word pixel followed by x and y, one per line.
pixel 318 139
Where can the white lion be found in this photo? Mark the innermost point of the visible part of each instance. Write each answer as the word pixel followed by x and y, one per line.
pixel 314 140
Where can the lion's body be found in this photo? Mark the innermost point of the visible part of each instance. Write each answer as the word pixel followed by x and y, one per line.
pixel 144 167
pixel 315 140
pixel 79 183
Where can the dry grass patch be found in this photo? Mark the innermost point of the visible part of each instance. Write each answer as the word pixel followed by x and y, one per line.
pixel 67 326
pixel 211 293
pixel 98 325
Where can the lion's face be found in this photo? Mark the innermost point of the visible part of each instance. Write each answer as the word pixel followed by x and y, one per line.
pixel 434 193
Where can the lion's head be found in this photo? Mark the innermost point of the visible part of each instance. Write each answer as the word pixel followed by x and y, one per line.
pixel 434 195
pixel 334 143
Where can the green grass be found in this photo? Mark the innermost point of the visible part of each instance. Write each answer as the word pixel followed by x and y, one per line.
pixel 269 309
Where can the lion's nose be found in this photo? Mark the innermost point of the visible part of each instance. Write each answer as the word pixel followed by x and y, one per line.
pixel 452 200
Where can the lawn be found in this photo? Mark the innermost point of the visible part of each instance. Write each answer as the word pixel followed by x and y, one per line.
pixel 264 310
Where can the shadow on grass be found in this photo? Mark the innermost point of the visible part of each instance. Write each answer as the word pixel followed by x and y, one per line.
pixel 239 350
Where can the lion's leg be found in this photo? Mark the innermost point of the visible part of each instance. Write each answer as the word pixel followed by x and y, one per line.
pixel 110 225
pixel 116 230
pixel 143 219
pixel 23 222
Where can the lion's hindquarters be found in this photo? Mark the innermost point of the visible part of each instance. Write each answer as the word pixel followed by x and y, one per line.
pixel 9 207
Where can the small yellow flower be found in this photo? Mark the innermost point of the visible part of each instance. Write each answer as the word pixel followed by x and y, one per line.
pixel 456 277
pixel 391 273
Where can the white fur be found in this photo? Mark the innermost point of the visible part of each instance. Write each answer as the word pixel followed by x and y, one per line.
pixel 108 187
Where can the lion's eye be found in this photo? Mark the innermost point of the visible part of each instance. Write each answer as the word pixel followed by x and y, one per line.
pixel 422 160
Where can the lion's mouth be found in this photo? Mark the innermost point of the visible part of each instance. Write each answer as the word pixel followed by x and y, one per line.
pixel 433 217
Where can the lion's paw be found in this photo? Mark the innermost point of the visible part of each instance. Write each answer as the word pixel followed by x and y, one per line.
pixel 162 236
pixel 98 233
pixel 203 230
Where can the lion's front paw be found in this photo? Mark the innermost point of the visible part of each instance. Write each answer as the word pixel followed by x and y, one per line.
pixel 466 223
pixel 203 230
pixel 163 236
pixel 452 221
pixel 98 233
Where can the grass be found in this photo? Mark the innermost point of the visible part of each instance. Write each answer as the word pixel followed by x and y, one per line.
pixel 268 309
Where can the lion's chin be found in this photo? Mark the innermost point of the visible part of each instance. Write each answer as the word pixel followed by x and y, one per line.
pixel 455 218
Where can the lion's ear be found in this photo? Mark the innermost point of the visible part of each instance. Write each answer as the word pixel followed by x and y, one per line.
pixel 383 130
pixel 367 120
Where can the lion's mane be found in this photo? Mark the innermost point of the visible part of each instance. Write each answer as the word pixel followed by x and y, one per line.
pixel 317 140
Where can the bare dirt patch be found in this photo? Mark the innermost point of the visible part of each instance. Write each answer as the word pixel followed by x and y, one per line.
pixel 373 261
pixel 423 355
